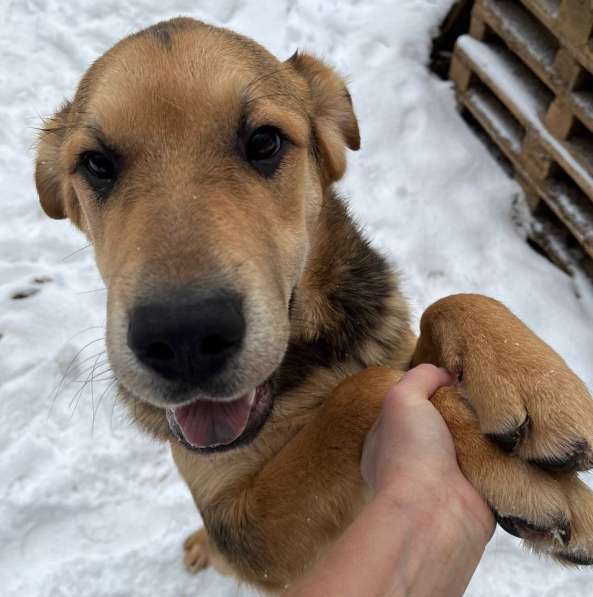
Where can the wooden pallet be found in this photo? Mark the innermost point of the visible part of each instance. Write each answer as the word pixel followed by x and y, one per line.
pixel 571 22
pixel 525 73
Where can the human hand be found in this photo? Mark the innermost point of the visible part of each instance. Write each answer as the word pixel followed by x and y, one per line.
pixel 409 456
pixel 424 532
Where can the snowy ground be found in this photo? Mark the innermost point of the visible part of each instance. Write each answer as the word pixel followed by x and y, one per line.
pixel 88 506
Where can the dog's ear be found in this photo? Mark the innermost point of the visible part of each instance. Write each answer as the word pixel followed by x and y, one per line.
pixel 48 172
pixel 334 122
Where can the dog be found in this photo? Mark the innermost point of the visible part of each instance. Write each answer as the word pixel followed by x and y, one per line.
pixel 253 327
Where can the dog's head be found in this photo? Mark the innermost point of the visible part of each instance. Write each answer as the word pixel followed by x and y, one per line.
pixel 196 164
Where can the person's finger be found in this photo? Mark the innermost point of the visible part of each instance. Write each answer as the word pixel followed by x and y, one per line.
pixel 420 383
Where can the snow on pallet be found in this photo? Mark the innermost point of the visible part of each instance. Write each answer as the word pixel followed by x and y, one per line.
pixel 524 72
pixel 571 21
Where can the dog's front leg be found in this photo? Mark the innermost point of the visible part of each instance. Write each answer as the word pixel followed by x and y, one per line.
pixel 531 406
pixel 270 525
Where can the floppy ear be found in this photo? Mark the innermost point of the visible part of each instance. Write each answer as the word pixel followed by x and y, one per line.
pixel 334 122
pixel 48 175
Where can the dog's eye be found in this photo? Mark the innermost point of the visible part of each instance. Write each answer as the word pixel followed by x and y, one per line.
pixel 264 143
pixel 99 170
pixel 98 165
pixel 263 149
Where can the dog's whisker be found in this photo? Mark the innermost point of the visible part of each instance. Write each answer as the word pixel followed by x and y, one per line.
pixel 115 399
pixel 91 327
pixel 104 379
pixel 93 376
pixel 108 388
pixel 76 252
pixel 84 371
pixel 73 405
pixel 104 375
pixel 96 410
pixel 104 289
pixel 96 379
pixel 78 395
pixel 93 390
pixel 54 393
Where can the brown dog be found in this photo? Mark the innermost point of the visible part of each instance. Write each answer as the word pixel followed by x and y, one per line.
pixel 253 327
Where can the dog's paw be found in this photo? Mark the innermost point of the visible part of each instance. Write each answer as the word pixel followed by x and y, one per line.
pixel 579 550
pixel 552 512
pixel 525 427
pixel 544 417
pixel 576 547
pixel 526 398
pixel 196 555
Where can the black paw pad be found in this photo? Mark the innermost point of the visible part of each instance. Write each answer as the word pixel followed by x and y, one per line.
pixel 579 458
pixel 510 440
pixel 576 558
pixel 527 530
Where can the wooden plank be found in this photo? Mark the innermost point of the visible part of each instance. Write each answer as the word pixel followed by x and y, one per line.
pixel 539 52
pixel 554 66
pixel 576 21
pixel 574 96
pixel 547 11
pixel 507 77
pixel 573 209
pixel 532 196
pixel 582 106
pixel 477 27
pixel 523 34
pixel 553 192
pixel 559 119
pixel 581 146
pixel 459 73
pixel 495 119
pixel 566 70
pixel 561 18
pixel 535 158
pixel 550 235
pixel 553 240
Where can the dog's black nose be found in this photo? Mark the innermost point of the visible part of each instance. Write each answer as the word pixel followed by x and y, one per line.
pixel 188 338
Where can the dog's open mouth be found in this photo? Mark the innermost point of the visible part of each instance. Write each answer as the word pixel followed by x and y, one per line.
pixel 218 425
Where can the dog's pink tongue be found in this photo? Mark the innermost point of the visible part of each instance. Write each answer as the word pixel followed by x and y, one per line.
pixel 206 424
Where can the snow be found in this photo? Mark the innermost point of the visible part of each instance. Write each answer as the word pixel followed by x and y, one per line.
pixel 88 505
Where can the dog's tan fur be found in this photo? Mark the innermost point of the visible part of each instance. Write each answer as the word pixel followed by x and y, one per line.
pixel 189 211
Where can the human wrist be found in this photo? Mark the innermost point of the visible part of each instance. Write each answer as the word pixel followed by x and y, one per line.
pixel 449 509
pixel 436 543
